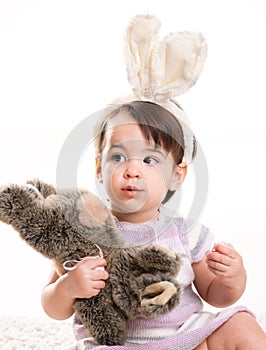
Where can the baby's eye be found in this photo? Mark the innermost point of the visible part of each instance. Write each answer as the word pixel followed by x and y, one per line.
pixel 118 158
pixel 150 160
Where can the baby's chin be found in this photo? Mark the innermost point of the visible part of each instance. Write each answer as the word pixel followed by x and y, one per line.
pixel 134 216
pixel 127 209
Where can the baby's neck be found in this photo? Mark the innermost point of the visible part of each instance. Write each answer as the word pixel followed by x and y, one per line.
pixel 137 218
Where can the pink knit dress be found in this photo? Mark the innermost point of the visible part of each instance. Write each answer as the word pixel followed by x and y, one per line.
pixel 187 325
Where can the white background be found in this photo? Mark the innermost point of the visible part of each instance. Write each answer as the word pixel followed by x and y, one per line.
pixel 62 60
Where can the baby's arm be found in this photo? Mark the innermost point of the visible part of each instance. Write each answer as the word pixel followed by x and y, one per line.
pixel 85 281
pixel 220 278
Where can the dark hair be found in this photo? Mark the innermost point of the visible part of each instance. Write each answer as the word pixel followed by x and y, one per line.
pixel 156 123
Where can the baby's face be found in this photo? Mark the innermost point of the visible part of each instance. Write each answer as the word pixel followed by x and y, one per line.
pixel 136 172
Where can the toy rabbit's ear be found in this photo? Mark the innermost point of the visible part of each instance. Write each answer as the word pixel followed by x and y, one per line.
pixel 180 61
pixel 141 41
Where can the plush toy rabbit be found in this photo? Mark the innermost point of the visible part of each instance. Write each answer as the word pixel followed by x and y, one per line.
pixel 70 225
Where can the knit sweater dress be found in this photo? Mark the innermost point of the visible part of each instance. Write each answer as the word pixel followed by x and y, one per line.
pixel 187 325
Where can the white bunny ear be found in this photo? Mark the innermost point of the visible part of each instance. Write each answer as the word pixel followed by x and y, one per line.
pixel 141 42
pixel 180 62
pixel 159 71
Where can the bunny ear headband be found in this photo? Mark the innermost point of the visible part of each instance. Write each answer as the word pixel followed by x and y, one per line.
pixel 158 71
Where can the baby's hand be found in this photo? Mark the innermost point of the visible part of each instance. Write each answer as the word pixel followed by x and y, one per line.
pixel 227 265
pixel 86 280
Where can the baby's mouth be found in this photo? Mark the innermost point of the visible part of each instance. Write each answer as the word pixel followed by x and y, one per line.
pixel 131 191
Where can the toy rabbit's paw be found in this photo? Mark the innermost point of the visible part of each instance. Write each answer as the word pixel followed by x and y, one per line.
pixel 159 258
pixel 165 250
pixel 168 259
pixel 44 188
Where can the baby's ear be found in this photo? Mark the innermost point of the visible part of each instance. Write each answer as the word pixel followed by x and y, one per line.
pixel 98 170
pixel 179 176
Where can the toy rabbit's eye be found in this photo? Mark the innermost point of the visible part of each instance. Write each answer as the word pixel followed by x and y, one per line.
pixel 150 160
pixel 118 158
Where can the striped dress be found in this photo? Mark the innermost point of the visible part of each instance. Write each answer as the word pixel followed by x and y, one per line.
pixel 187 325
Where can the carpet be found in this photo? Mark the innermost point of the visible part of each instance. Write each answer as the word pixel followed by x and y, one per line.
pixel 29 333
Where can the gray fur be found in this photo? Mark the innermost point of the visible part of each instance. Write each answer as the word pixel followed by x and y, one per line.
pixel 49 221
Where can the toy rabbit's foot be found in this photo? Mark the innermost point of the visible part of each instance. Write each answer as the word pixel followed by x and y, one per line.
pixel 158 293
pixel 104 321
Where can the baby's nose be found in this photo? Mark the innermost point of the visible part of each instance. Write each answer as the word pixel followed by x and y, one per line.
pixel 132 171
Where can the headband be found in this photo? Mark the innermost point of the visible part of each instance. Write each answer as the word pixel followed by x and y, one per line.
pixel 158 71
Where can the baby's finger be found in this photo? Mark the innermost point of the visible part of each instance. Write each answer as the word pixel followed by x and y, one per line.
pixel 215 265
pixel 99 284
pixel 224 248
pixel 99 275
pixel 219 258
pixel 92 262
